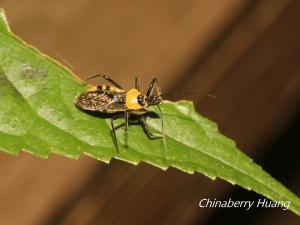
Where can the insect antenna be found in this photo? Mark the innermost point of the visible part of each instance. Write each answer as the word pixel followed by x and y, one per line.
pixel 186 93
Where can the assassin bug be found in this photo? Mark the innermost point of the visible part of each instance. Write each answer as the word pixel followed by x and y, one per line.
pixel 114 99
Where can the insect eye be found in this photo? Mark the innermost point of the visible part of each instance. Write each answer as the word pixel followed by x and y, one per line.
pixel 141 100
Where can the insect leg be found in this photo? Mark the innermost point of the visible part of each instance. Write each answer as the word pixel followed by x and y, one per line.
pixel 126 114
pixel 137 83
pixel 111 81
pixel 106 78
pixel 147 130
pixel 154 83
pixel 114 130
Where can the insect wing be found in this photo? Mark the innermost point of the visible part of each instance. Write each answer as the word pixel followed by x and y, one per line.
pixel 103 101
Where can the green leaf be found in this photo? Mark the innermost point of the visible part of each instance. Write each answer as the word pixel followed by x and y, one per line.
pixel 38 115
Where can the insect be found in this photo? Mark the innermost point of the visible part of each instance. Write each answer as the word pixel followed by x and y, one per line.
pixel 121 103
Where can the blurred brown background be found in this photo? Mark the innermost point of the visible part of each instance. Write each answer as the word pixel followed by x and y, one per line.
pixel 246 53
